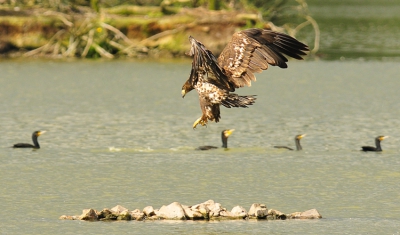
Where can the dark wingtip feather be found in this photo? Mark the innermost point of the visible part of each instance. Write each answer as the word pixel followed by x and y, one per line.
pixel 279 42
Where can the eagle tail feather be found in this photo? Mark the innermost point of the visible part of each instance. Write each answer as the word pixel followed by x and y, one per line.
pixel 236 101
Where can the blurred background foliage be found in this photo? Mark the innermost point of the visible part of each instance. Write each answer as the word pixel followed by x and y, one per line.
pixel 269 9
pixel 91 28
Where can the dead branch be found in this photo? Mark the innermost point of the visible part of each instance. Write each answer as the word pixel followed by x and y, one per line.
pixel 116 31
pixel 38 50
pixel 101 51
pixel 89 42
pixel 163 34
pixel 311 21
pixel 61 16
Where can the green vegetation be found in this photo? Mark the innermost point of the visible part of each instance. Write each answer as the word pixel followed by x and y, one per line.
pixel 136 28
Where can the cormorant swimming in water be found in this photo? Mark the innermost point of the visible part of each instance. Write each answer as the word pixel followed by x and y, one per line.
pixel 36 145
pixel 377 143
pixel 297 139
pixel 224 136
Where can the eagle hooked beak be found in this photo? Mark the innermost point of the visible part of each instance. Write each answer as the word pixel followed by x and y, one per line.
pixel 183 93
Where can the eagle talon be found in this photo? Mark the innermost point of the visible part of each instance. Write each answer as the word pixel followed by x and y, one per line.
pixel 200 121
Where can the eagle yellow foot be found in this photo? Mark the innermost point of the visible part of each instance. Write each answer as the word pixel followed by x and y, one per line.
pixel 200 121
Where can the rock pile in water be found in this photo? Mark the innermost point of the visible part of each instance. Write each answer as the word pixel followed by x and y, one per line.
pixel 208 210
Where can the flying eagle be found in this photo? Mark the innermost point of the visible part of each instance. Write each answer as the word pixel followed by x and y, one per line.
pixel 249 51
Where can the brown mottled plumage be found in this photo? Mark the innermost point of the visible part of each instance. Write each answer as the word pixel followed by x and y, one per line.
pixel 249 51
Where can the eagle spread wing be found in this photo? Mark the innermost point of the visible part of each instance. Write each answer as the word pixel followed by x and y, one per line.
pixel 250 51
pixel 206 67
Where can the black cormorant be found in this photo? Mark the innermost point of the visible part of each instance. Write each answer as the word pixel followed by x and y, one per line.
pixel 35 145
pixel 378 147
pixel 297 139
pixel 224 136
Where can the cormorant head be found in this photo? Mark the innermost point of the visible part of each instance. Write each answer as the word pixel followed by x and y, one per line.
pixel 227 133
pixel 187 86
pixel 381 137
pixel 38 133
pixel 299 137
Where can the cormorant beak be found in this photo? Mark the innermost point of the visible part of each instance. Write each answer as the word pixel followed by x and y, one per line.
pixel 383 137
pixel 183 93
pixel 229 132
pixel 301 136
pixel 41 132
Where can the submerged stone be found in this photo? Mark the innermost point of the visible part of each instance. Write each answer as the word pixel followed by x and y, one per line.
pixel 69 217
pixel 309 214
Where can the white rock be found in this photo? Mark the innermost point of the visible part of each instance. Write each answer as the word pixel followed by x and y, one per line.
pixel 88 214
pixel 225 214
pixel 192 214
pixel 148 211
pixel 259 211
pixel 172 211
pixel 275 214
pixel 118 209
pixel 216 209
pixel 239 211
pixel 310 214
pixel 137 215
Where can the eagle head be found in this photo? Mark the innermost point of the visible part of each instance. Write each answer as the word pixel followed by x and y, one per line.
pixel 187 86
